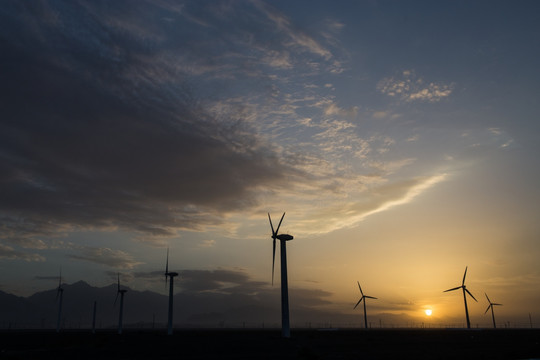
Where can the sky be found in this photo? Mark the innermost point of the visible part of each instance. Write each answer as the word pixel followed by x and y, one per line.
pixel 400 138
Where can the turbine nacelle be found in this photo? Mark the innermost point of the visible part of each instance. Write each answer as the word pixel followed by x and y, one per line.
pixel 284 237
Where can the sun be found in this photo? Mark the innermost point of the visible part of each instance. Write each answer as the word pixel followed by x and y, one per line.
pixel 428 312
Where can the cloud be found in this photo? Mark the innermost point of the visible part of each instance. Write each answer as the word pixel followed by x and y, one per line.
pixel 378 199
pixel 295 37
pixel 9 253
pixel 105 256
pixel 408 87
pixel 100 130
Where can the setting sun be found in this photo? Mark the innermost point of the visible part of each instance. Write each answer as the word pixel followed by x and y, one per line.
pixel 428 312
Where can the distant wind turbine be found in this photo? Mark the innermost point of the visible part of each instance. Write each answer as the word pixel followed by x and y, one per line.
pixel 171 275
pixel 121 314
pixel 465 292
pixel 364 297
pixel 283 238
pixel 59 298
pixel 94 318
pixel 492 313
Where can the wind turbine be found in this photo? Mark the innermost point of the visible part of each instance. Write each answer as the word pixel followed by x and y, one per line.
pixel 465 292
pixel 364 297
pixel 171 275
pixel 283 238
pixel 120 316
pixel 59 296
pixel 491 306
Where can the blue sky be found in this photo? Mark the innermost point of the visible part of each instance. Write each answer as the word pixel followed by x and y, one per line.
pixel 399 137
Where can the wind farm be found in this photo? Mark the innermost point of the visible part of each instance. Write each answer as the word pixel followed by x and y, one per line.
pixel 398 138
pixel 139 341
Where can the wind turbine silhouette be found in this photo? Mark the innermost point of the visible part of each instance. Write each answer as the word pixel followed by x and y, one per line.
pixel 171 275
pixel 59 294
pixel 121 314
pixel 492 313
pixel 283 238
pixel 465 292
pixel 364 297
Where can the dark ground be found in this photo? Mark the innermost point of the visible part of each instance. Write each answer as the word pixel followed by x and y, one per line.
pixel 267 344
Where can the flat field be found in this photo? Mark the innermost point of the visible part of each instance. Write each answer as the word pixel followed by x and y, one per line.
pixel 267 344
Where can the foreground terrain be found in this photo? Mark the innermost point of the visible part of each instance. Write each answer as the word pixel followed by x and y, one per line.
pixel 267 344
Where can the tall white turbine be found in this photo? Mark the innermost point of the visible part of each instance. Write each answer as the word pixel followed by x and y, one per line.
pixel 171 276
pixel 363 298
pixel 492 313
pixel 283 238
pixel 121 314
pixel 59 298
pixel 465 292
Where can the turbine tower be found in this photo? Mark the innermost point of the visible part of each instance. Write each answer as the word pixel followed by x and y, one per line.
pixel 59 298
pixel 171 275
pixel 492 313
pixel 465 292
pixel 283 238
pixel 121 314
pixel 364 297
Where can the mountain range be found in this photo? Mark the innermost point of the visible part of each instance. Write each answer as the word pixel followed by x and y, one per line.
pixel 147 309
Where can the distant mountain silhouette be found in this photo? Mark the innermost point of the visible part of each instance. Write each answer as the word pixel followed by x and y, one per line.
pixel 40 310
pixel 145 309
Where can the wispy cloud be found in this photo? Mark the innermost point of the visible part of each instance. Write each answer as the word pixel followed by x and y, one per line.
pixel 105 256
pixel 409 87
pixel 9 253
pixel 349 213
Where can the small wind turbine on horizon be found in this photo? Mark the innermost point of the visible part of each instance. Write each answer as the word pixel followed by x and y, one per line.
pixel 121 314
pixel 171 275
pixel 492 313
pixel 59 298
pixel 363 298
pixel 283 238
pixel 465 292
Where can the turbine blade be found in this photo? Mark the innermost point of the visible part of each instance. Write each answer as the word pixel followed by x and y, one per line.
pixel 489 301
pixel 496 304
pixel 459 287
pixel 273 258
pixel 487 309
pixel 361 292
pixel 116 298
pixel 468 292
pixel 118 281
pixel 271 226
pixel 463 282
pixel 359 301
pixel 370 297
pixel 277 229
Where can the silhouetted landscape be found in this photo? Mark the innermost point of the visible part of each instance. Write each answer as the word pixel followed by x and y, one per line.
pixel 268 344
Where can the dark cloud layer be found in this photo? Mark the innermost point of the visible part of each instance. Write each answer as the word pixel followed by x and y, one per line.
pixel 98 129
